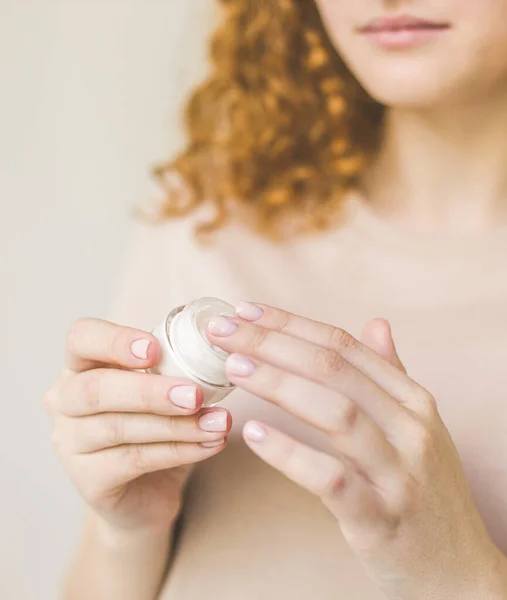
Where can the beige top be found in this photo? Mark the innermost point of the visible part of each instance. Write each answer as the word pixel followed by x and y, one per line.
pixel 248 533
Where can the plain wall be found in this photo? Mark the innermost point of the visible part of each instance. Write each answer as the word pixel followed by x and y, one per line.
pixel 89 100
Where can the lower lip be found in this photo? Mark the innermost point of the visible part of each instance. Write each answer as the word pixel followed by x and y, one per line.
pixel 404 38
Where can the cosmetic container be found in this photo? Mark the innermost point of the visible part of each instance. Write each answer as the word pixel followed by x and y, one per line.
pixel 187 352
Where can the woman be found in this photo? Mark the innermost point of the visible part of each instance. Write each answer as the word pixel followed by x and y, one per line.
pixel 370 139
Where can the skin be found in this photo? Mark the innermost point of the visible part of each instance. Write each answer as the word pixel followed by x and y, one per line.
pixel 442 73
pixel 128 448
pixel 446 112
pixel 396 486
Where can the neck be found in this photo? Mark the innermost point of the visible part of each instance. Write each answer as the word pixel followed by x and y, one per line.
pixel 443 170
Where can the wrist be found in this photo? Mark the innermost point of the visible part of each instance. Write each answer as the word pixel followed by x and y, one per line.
pixel 496 583
pixel 124 541
pixel 485 578
pixel 491 583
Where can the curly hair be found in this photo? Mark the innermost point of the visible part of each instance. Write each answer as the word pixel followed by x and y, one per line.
pixel 280 130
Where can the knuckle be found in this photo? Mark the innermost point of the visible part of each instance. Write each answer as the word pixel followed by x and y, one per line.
pixel 344 420
pixel 136 459
pixel 422 397
pixel 328 362
pixel 284 320
pixel 118 343
pixel 427 404
pixel 146 393
pixel 273 380
pixel 337 483
pixel 75 333
pixel 170 429
pixel 259 339
pixel 176 451
pixel 115 429
pixel 423 441
pixel 342 340
pixel 88 385
pixel 288 456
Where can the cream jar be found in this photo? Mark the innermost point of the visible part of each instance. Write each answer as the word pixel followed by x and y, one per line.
pixel 187 352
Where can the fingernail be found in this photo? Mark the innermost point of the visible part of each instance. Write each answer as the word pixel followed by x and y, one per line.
pixel 213 444
pixel 184 396
pixel 240 365
pixel 248 311
pixel 214 421
pixel 222 326
pixel 254 432
pixel 139 349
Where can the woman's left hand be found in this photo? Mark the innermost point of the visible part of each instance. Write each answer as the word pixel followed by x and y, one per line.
pixel 396 484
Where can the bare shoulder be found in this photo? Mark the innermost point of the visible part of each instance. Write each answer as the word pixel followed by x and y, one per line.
pixel 168 264
pixel 178 240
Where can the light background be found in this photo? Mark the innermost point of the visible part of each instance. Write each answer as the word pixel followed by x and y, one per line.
pixel 90 92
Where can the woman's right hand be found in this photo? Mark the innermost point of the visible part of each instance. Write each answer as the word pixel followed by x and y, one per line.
pixel 126 438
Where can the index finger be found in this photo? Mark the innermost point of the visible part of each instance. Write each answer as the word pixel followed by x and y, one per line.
pixel 93 343
pixel 396 383
pixel 310 361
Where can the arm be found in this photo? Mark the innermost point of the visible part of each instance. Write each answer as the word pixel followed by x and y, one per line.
pixel 395 482
pixel 494 586
pixel 129 560
pixel 113 565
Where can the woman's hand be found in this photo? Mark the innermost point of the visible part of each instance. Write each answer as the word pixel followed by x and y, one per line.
pixel 127 438
pixel 395 484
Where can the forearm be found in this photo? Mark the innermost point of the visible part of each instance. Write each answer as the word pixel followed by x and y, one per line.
pixel 488 583
pixel 494 586
pixel 110 565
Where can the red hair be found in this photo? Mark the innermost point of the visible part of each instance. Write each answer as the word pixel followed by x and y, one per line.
pixel 281 128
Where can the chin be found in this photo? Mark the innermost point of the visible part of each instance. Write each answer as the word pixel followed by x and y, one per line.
pixel 409 92
pixel 418 80
pixel 410 86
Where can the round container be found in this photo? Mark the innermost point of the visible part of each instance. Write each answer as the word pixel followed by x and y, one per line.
pixel 187 352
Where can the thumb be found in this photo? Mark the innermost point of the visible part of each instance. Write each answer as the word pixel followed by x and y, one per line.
pixel 377 335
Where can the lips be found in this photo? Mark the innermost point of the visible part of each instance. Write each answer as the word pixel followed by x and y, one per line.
pixel 403 32
pixel 401 23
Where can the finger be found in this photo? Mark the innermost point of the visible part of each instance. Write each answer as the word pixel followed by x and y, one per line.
pixel 98 432
pixel 122 464
pixel 378 369
pixel 342 489
pixel 310 361
pixel 377 335
pixel 352 432
pixel 93 342
pixel 110 390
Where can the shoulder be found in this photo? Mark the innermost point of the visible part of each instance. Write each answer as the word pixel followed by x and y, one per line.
pixel 167 265
pixel 175 245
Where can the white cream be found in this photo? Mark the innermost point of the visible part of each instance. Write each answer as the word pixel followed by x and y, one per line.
pixel 186 351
